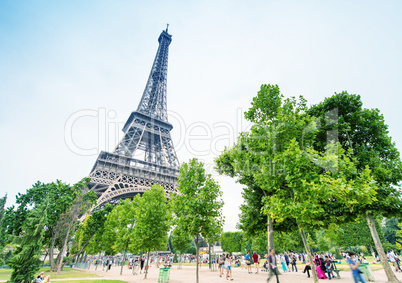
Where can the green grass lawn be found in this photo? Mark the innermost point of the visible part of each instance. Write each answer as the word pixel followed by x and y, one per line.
pixel 66 273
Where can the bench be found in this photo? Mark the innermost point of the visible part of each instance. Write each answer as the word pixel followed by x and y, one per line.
pixel 336 271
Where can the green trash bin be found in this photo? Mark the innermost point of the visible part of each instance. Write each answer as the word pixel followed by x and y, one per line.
pixel 164 274
pixel 366 271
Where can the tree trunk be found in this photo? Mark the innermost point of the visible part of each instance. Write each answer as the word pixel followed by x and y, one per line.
pixel 63 250
pixel 47 252
pixel 371 249
pixel 51 255
pixel 147 266
pixel 209 255
pixel 79 252
pixel 310 257
pixel 384 260
pixel 82 257
pixel 215 259
pixel 270 234
pixel 197 262
pixel 56 262
pixel 122 263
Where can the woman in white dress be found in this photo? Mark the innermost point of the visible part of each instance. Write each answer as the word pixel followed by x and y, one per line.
pixel 243 262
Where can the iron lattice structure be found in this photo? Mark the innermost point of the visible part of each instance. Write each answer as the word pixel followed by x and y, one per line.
pixel 145 155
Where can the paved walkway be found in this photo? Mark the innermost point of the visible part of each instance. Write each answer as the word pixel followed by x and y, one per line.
pixel 187 275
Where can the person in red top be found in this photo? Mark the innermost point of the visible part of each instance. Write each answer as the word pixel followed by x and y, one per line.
pixel 256 261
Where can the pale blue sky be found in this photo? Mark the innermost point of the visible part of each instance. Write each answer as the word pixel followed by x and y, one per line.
pixel 58 58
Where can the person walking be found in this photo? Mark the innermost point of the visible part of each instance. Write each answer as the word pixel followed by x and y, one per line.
pixel 283 262
pixel 243 262
pixel 142 261
pixel 392 259
pixel 354 266
pixel 287 260
pixel 221 263
pixel 256 261
pixel 294 259
pixel 329 266
pixel 272 265
pixel 248 262
pixel 228 266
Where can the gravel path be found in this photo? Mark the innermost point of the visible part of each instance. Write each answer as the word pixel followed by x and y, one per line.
pixel 187 275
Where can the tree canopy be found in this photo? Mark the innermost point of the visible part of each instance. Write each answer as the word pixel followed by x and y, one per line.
pixel 197 208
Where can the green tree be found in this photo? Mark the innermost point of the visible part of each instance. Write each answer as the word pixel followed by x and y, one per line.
pixel 120 226
pixel 365 132
pixel 26 260
pixel 92 225
pixel 3 238
pixel 398 240
pixel 288 241
pixel 181 241
pixel 239 163
pixel 60 195
pixel 66 226
pixel 322 241
pixel 231 241
pixel 312 244
pixel 299 181
pixel 390 229
pixel 357 233
pixel 197 208
pixel 154 221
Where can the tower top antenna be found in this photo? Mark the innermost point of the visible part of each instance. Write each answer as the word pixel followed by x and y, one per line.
pixel 167 27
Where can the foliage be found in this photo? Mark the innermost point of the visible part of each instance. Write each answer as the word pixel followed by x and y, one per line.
pixel 26 261
pixel 365 132
pixel 398 234
pixel 288 241
pixel 322 241
pixel 356 233
pixel 312 244
pixel 68 222
pixel 192 249
pixel 181 239
pixel 390 228
pixel 232 242
pixel 3 236
pixel 60 197
pixel 197 207
pixel 119 227
pixel 92 225
pixel 237 162
pixel 154 219
pixel 98 223
pixel 299 180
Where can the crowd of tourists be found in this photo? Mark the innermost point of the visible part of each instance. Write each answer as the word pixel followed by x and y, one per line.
pixel 324 263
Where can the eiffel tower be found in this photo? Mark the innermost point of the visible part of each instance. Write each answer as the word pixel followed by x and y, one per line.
pixel 145 155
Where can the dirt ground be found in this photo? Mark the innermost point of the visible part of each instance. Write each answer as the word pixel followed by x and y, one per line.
pixel 187 275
